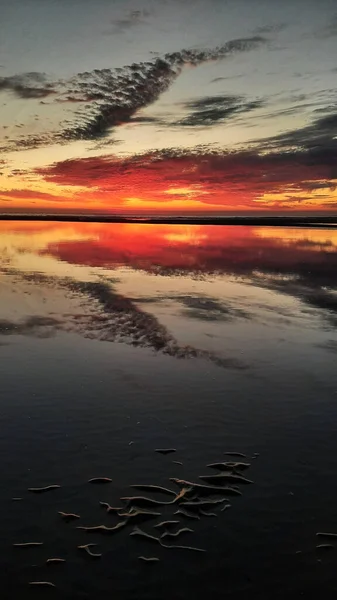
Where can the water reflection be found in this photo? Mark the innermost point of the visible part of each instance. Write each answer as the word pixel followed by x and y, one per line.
pixel 299 262
pixel 254 309
pixel 199 248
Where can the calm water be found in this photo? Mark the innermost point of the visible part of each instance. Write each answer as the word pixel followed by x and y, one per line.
pixel 120 339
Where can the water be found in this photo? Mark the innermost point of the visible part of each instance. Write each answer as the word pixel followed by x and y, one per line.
pixel 120 339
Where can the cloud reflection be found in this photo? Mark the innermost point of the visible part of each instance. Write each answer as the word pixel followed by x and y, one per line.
pixel 299 262
pixel 106 316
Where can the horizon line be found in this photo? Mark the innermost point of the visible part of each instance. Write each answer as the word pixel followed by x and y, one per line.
pixel 280 220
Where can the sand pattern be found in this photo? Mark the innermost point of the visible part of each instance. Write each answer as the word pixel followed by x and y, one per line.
pixel 190 500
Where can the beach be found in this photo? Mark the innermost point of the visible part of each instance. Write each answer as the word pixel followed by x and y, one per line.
pixel 121 339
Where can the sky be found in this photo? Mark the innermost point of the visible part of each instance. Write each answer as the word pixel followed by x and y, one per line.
pixel 168 106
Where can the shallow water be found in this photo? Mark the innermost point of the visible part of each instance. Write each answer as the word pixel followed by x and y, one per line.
pixel 120 339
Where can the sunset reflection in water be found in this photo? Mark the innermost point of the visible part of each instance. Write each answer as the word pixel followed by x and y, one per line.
pixel 206 273
pixel 186 248
pixel 200 338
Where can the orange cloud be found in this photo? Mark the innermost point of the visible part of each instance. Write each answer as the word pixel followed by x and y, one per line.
pixel 190 181
pixel 28 194
pixel 199 180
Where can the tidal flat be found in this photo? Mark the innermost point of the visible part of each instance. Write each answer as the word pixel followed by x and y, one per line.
pixel 170 365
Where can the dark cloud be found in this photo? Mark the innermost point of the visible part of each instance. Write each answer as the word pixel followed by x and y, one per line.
pixel 132 19
pixel 108 98
pixel 265 29
pixel 212 110
pixel 285 112
pixel 217 79
pixel 71 100
pixel 241 176
pixel 310 186
pixel 104 143
pixel 119 94
pixel 315 143
pixel 18 172
pixel 329 30
pixel 321 104
pixel 146 120
pixel 29 142
pixel 27 86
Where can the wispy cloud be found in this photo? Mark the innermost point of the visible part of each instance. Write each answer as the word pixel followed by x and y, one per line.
pixel 318 139
pixel 27 86
pixel 107 98
pixel 212 110
pixel 229 77
pixel 27 194
pixel 329 29
pixel 132 19
pixel 120 95
pixel 271 28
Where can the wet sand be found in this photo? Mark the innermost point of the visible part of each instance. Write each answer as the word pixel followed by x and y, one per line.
pixel 76 391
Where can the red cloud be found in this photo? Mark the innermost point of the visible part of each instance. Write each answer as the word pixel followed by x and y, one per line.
pixel 229 180
pixel 29 195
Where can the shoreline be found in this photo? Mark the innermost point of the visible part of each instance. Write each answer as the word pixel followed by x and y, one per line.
pixel 279 221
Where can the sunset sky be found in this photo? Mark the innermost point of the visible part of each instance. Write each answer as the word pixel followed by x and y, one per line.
pixel 166 106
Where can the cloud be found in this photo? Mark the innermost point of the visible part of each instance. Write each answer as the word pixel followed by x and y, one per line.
pixel 132 19
pixel 24 194
pixel 29 142
pixel 146 120
pixel 212 110
pixel 27 86
pixel 121 93
pixel 108 98
pixel 315 143
pixel 318 185
pixel 217 79
pixel 329 30
pixel 228 179
pixel 274 28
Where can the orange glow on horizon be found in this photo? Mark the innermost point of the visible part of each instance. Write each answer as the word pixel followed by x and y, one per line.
pixel 186 184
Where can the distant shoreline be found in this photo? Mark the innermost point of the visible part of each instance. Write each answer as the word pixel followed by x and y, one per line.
pixel 257 221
